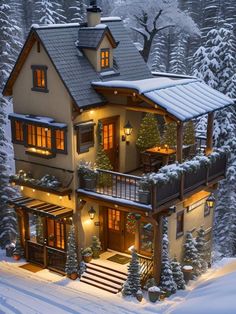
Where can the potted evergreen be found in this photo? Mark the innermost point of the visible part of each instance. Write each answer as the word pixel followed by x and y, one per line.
pixel 87 175
pixel 87 254
pixel 18 251
pixel 144 191
pixel 154 293
pixel 96 247
pixel 71 267
pixel 139 295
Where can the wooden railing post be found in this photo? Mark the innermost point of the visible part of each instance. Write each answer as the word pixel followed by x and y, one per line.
pixel 157 248
pixel 182 187
pixel 154 195
pixel 180 131
pixel 209 141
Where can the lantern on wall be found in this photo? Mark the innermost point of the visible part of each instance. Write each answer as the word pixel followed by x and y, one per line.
pixel 91 212
pixel 128 129
pixel 210 201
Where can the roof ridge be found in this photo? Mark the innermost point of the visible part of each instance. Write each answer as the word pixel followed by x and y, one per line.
pixel 53 26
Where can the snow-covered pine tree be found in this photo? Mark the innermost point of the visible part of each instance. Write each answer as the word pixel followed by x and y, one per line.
pixel 191 256
pixel 167 282
pixel 170 134
pixel 82 268
pixel 77 11
pixel 71 266
pixel 202 248
pixel 132 283
pixel 148 133
pixel 49 12
pixel 178 56
pixel 215 63
pixel 178 275
pixel 18 248
pixel 158 54
pixel 9 47
pixel 126 290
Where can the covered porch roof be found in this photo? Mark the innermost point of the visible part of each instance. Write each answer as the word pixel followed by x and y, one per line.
pixel 181 99
pixel 41 208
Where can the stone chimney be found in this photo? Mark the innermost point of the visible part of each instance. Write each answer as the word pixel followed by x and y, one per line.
pixel 93 14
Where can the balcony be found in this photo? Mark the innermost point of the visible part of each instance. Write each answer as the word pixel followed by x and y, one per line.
pixel 155 190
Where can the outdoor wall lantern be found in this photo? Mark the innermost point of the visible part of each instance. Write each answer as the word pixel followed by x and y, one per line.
pixel 210 201
pixel 128 129
pixel 92 212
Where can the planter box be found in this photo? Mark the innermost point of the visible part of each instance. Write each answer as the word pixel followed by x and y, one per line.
pixel 90 184
pixel 144 197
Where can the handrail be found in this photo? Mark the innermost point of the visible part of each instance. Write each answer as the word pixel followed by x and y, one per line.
pixel 119 174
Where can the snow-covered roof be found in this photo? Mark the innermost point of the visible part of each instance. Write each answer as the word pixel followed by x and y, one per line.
pixel 37 119
pixel 184 99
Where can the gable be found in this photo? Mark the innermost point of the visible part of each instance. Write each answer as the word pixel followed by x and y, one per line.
pixel 72 66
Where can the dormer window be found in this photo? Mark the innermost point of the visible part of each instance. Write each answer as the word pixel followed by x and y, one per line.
pixel 39 78
pixel 105 59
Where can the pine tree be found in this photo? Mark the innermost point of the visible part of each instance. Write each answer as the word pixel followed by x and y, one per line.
pixel 170 134
pixel 132 284
pixel 71 266
pixel 49 12
pixel 178 56
pixel 78 11
pixel 203 250
pixel 103 162
pixel 191 256
pixel 167 282
pixel 178 275
pixel 82 268
pixel 9 47
pixel 148 133
pixel 189 133
pixel 18 248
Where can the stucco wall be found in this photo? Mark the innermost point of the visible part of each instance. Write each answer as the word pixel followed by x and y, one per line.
pixel 192 222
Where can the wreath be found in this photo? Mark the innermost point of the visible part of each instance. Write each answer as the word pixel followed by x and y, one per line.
pixel 132 218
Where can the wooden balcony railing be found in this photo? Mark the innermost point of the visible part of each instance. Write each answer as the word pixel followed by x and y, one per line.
pixel 35 253
pixel 115 184
pixel 56 259
pixel 124 186
pixel 146 268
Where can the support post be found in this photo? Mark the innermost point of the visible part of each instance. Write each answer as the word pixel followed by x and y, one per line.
pixel 209 141
pixel 179 152
pixel 157 248
pixel 78 225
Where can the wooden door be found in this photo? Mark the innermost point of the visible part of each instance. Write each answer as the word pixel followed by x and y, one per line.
pixel 111 140
pixel 119 239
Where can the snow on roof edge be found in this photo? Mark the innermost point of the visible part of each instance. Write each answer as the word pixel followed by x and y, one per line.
pixel 111 19
pixel 45 26
pixel 166 74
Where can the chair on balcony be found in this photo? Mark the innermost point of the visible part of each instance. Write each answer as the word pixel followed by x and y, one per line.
pixel 150 162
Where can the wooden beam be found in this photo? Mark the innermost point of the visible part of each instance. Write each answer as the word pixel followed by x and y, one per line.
pixel 179 152
pixel 209 141
pixel 78 226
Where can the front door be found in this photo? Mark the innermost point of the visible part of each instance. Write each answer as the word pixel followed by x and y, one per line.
pixel 119 239
pixel 110 140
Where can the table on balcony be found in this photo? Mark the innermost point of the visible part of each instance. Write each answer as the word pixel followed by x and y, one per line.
pixel 163 153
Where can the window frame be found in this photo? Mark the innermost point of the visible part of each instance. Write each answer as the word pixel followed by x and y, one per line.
pixel 13 131
pixel 35 87
pixel 180 233
pixel 81 130
pixel 104 50
pixel 34 143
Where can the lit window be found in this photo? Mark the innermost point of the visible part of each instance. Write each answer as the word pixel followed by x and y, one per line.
pixel 39 78
pixel 60 140
pixel 18 135
pixel 105 58
pixel 39 136
pixel 180 224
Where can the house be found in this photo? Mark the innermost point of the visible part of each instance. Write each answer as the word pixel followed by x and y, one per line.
pixel 75 87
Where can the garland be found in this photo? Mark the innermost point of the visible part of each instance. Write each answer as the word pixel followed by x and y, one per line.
pixel 132 218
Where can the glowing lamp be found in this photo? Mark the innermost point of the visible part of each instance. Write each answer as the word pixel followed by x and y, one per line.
pixel 91 212
pixel 210 201
pixel 128 129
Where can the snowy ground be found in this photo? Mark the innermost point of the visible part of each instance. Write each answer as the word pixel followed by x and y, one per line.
pixel 45 292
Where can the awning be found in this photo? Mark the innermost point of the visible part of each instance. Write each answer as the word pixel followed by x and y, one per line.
pixel 41 208
pixel 183 99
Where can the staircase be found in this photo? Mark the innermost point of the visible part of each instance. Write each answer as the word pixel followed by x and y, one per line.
pixel 103 278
